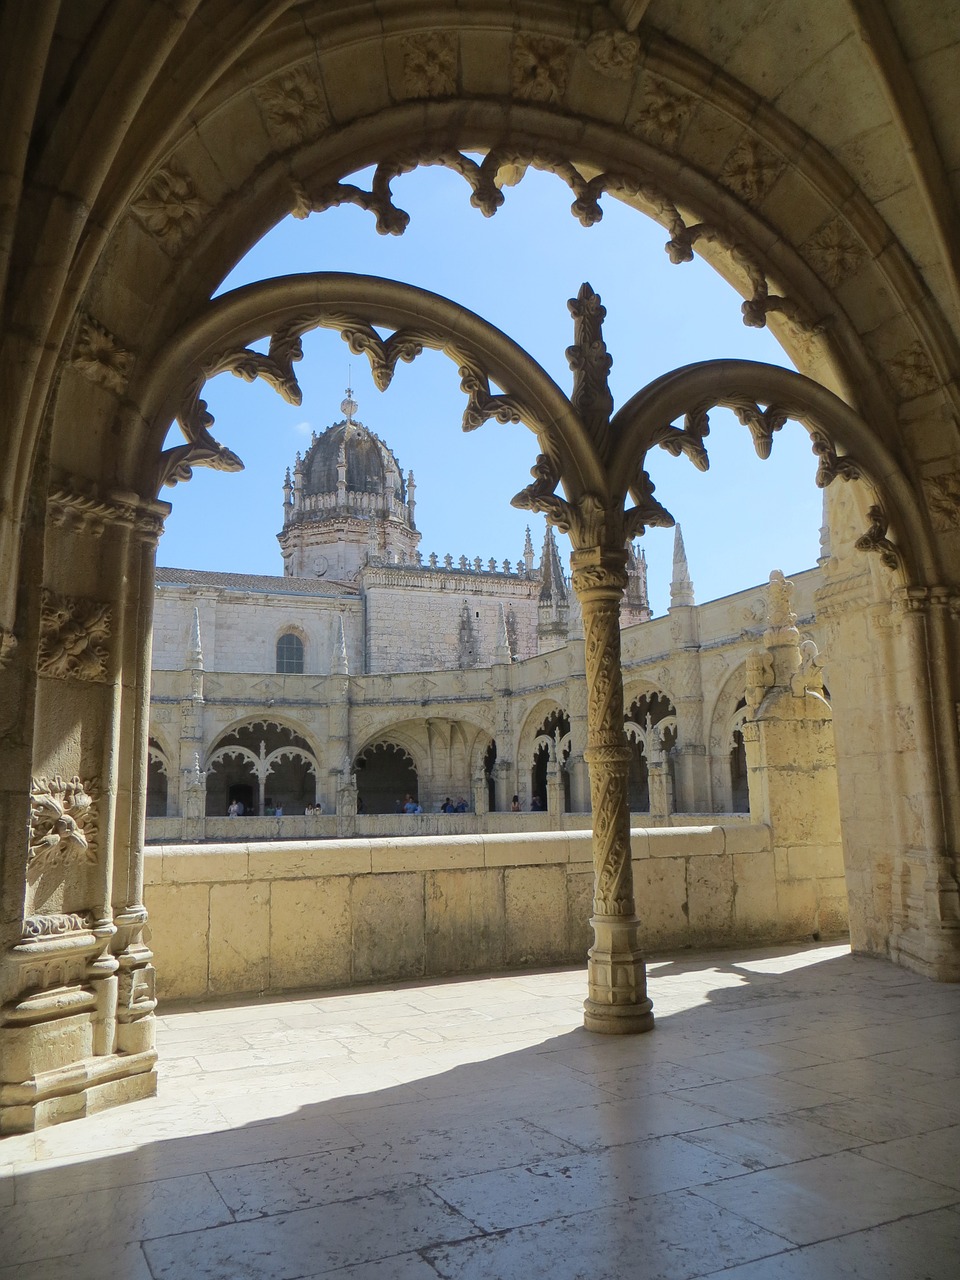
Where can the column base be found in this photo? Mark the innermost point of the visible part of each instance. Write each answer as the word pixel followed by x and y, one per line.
pixel 617 1003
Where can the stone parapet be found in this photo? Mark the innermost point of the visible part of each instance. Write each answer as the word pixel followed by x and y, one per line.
pixel 254 917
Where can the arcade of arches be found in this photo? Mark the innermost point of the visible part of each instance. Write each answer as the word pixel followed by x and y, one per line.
pixel 809 151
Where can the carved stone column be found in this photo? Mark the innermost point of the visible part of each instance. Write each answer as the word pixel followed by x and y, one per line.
pixel 617 1002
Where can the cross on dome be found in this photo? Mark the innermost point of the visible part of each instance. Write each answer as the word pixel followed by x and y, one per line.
pixel 348 407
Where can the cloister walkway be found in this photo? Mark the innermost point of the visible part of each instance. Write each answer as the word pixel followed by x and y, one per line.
pixel 795 1114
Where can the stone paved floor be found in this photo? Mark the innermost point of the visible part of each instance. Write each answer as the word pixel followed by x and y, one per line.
pixel 795 1115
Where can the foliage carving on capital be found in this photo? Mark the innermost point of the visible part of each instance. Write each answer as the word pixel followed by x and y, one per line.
pixel 99 356
pixel 73 636
pixel 293 105
pixel 170 207
pixel 430 64
pixel 539 68
pixel 63 823
pixel 56 925
pixel 875 539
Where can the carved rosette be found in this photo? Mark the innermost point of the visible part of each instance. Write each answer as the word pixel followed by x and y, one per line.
pixel 63 823
pixel 834 252
pixel 614 53
pixel 293 106
pixel 662 114
pixel 170 207
pixel 539 68
pixel 751 170
pixel 912 372
pixel 99 356
pixel 430 64
pixel 943 499
pixel 73 636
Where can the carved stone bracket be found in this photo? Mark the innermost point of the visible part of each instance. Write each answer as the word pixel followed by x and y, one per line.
pixel 63 823
pixel 875 539
pixel 73 636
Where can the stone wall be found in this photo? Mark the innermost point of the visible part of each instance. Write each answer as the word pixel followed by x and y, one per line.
pixel 253 918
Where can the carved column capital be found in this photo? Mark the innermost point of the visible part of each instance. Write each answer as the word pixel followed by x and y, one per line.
pixel 599 573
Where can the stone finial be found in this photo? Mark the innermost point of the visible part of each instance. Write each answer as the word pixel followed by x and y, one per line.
pixel 501 652
pixel 338 665
pixel 681 585
pixel 411 498
pixel 779 611
pixel 553 588
pixel 528 553
pixel 195 656
pixel 574 618
pixel 825 552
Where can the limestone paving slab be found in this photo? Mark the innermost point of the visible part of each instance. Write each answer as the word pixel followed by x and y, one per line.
pixel 772 1140
pixel 308 1241
pixel 811 1199
pixel 673 1236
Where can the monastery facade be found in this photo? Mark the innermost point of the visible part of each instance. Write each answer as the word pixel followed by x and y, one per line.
pixel 368 673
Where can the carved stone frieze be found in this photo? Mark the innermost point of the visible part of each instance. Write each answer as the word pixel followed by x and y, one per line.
pixel 54 926
pixel 834 252
pixel 170 207
pixel 539 68
pixel 875 539
pixel 100 357
pixel 430 64
pixel 63 823
pixel 73 636
pixel 943 499
pixel 662 114
pixel 751 170
pixel 614 53
pixel 80 509
pixel 912 372
pixel 294 106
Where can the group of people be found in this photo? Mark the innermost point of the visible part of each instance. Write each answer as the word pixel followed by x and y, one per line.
pixel 236 809
pixel 449 807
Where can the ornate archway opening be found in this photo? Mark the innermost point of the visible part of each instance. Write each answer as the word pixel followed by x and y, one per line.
pixel 650 723
pixel 551 749
pixel 386 776
pixel 261 765
pixel 158 774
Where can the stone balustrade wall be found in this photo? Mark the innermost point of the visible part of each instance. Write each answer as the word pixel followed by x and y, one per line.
pixel 250 918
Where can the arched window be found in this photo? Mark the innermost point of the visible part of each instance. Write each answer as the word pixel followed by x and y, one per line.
pixel 290 655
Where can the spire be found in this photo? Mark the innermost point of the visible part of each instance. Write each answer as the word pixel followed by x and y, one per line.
pixel 553 589
pixel 501 651
pixel 287 497
pixel 824 555
pixel 195 656
pixel 338 666
pixel 411 498
pixel 681 587
pixel 528 553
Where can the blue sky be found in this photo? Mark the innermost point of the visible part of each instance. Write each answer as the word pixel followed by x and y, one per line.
pixel 741 519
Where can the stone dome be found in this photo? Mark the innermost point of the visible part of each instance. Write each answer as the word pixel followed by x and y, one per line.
pixel 371 465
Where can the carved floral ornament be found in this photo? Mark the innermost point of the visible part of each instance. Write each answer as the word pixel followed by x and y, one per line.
pixel 593 453
pixel 750 167
pixel 293 105
pixel 100 357
pixel 63 824
pixel 80 509
pixel 73 637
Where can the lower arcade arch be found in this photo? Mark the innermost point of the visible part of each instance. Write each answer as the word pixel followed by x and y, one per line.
pixel 260 768
pixel 650 724
pixel 387 779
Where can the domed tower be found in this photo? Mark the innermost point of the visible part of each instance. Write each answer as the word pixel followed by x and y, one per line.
pixel 346 503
